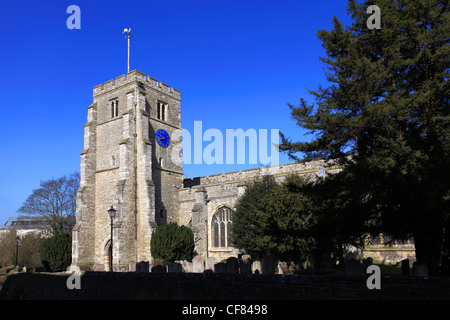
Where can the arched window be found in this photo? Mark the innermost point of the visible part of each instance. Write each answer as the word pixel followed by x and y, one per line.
pixel 221 227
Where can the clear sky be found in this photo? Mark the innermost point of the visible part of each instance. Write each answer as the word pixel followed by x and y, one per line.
pixel 236 63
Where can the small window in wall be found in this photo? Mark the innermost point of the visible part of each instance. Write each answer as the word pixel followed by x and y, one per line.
pixel 113 161
pixel 161 113
pixel 114 108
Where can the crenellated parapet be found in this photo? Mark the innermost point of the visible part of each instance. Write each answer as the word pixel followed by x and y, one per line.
pixel 132 77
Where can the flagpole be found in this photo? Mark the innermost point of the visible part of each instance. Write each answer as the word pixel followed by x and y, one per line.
pixel 127 32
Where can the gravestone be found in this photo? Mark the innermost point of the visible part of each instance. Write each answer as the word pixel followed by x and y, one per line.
pixel 245 264
pixel 175 267
pixel 256 267
pixel 405 267
pixel 210 264
pixel 143 266
pixel 268 265
pixel 220 267
pixel 186 266
pixel 132 267
pixel 282 267
pixel 99 267
pixel 198 265
pixel 367 262
pixel 232 265
pixel 159 269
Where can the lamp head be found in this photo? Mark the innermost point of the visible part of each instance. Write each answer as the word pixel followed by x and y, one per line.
pixel 112 212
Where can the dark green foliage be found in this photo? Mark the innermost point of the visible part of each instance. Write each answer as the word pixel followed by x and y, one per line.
pixel 56 252
pixel 172 242
pixel 250 218
pixel 274 219
pixel 386 117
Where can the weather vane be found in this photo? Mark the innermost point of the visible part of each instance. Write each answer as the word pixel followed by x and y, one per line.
pixel 128 36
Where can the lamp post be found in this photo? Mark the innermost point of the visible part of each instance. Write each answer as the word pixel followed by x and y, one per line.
pixel 17 249
pixel 112 215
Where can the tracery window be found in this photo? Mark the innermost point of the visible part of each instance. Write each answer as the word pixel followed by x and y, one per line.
pixel 221 228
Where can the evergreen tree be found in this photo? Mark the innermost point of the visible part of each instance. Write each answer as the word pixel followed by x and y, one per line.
pixel 275 219
pixel 385 118
pixel 56 252
pixel 250 219
pixel 172 242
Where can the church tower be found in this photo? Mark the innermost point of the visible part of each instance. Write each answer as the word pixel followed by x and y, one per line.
pixel 132 161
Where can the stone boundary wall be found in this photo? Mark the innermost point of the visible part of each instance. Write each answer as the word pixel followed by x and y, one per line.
pixel 213 286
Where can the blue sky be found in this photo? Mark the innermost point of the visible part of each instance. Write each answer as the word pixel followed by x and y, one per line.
pixel 236 63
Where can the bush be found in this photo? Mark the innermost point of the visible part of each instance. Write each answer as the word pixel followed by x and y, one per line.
pixel 172 242
pixel 56 252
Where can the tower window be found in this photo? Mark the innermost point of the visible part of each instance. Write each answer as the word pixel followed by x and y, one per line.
pixel 114 108
pixel 162 111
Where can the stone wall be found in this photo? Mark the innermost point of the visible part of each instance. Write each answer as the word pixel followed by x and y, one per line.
pixel 224 190
pixel 108 171
pixel 213 286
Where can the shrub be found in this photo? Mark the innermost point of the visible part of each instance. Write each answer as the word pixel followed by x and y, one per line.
pixel 172 242
pixel 56 252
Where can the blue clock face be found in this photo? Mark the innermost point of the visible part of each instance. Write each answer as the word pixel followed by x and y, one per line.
pixel 163 138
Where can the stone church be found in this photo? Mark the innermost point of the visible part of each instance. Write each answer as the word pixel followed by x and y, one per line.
pixel 132 161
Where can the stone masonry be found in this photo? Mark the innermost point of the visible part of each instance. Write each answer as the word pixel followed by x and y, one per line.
pixel 123 166
pixel 121 108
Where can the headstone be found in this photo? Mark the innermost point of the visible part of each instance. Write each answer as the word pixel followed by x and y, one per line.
pixel 268 265
pixel 198 265
pixel 158 269
pixel 245 264
pixel 143 266
pixel 175 267
pixel 188 266
pixel 256 267
pixel 405 267
pixel 367 262
pixel 132 267
pixel 295 268
pixel 99 267
pixel 282 267
pixel 210 264
pixel 220 267
pixel 232 265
